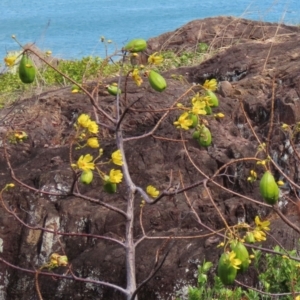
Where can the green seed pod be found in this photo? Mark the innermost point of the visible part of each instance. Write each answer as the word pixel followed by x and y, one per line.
pixel 156 81
pixel 226 271
pixel 205 137
pixel 109 187
pixel 114 90
pixel 196 135
pixel 208 110
pixel 269 188
pixel 249 238
pixel 213 101
pixel 194 118
pixel 86 177
pixel 26 69
pixel 136 45
pixel 242 254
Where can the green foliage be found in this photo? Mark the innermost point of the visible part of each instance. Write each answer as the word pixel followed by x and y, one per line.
pixel 276 274
pixel 217 290
pixel 279 274
pixel 88 68
pixel 10 83
pixel 79 70
pixel 174 60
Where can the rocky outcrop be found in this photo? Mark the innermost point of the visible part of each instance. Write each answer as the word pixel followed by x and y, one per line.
pixel 254 61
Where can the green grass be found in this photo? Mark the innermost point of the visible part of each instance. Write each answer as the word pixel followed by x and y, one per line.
pixel 88 68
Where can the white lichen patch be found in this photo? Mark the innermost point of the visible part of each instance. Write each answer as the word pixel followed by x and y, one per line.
pixel 49 239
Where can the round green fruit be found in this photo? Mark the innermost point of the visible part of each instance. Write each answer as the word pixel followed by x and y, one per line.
pixel 195 120
pixel 136 45
pixel 205 137
pixel 86 177
pixel 26 69
pixel 249 238
pixel 208 110
pixel 242 254
pixel 269 188
pixel 113 90
pixel 156 81
pixel 226 271
pixel 109 187
pixel 213 101
pixel 196 135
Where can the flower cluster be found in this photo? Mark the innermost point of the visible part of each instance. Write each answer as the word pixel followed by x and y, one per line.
pixel 56 260
pixel 136 77
pixel 252 177
pixel 201 104
pixel 155 59
pixel 184 121
pixel 87 164
pixel 233 261
pixel 258 233
pixel 10 60
pixel 139 69
pixel 210 85
pixel 85 122
pixel 17 137
pixel 152 191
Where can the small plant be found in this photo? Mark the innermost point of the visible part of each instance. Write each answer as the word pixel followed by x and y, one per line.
pixel 278 273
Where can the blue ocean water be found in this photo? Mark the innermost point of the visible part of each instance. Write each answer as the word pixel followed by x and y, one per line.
pixel 72 28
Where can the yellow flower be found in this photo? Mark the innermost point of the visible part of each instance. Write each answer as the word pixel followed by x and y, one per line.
pixel 10 60
pixel 93 142
pixel 234 262
pixel 285 126
pixel 199 108
pixel 210 84
pixel 262 162
pixel 196 98
pixel 221 245
pixel 183 122
pixel 259 235
pixel 280 183
pixel 11 185
pixel 262 225
pixel 85 162
pixel 219 115
pixel 93 127
pixel 298 297
pixel 152 191
pixel 115 176
pixel 48 53
pixel 57 260
pixel 155 59
pixel 253 174
pixel 84 120
pixel 21 135
pixel 117 158
pixel 136 77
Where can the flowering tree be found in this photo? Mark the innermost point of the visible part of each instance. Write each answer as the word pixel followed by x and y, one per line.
pixel 194 112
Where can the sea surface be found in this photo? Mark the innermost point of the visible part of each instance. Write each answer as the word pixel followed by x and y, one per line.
pixel 72 28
